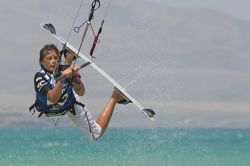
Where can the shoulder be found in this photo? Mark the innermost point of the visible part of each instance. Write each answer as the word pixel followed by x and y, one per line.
pixel 39 77
pixel 41 82
pixel 39 74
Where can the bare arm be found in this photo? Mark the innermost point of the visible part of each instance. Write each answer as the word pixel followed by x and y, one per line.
pixel 54 94
pixel 69 58
pixel 78 85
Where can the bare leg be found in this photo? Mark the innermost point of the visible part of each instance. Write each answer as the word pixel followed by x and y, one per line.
pixel 107 112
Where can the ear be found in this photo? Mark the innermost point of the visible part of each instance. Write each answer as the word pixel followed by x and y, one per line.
pixel 42 62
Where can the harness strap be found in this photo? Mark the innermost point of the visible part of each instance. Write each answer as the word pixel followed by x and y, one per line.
pixel 32 107
pixel 47 113
pixel 79 103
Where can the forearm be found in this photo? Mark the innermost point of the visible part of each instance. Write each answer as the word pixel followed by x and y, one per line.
pixel 70 56
pixel 78 87
pixel 55 94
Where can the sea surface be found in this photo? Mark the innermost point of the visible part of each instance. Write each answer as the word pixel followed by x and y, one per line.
pixel 125 147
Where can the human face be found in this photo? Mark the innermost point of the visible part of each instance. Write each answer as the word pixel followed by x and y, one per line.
pixel 49 61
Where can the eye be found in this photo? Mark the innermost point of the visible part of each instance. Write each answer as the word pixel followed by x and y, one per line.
pixel 49 58
pixel 55 57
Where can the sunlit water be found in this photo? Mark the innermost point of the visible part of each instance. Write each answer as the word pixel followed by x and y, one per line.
pixel 125 147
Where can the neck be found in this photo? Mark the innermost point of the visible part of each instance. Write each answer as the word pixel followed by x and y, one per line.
pixel 43 68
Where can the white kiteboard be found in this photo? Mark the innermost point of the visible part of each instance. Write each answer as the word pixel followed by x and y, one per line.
pixel 51 30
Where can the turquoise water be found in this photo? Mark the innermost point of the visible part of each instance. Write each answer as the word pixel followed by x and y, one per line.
pixel 125 147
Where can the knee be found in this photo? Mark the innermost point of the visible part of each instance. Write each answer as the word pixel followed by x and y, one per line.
pixel 96 132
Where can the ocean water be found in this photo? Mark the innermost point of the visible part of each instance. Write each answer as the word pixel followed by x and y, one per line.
pixel 125 147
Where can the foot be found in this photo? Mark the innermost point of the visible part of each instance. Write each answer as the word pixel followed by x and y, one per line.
pixel 120 97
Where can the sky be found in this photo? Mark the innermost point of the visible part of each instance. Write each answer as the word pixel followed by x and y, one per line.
pixel 237 8
pixel 21 39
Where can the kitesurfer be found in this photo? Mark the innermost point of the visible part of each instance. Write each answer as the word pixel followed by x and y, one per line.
pixel 61 95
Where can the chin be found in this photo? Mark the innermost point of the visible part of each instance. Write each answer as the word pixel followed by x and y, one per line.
pixel 50 70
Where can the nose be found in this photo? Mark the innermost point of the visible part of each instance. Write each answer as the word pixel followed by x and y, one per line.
pixel 54 60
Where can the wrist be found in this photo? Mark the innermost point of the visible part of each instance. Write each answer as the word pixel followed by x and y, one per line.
pixel 77 76
pixel 61 80
pixel 63 67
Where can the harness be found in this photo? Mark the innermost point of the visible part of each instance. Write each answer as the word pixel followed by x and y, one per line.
pixel 55 109
pixel 35 107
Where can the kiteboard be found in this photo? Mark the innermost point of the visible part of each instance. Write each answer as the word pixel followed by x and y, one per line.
pixel 147 111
